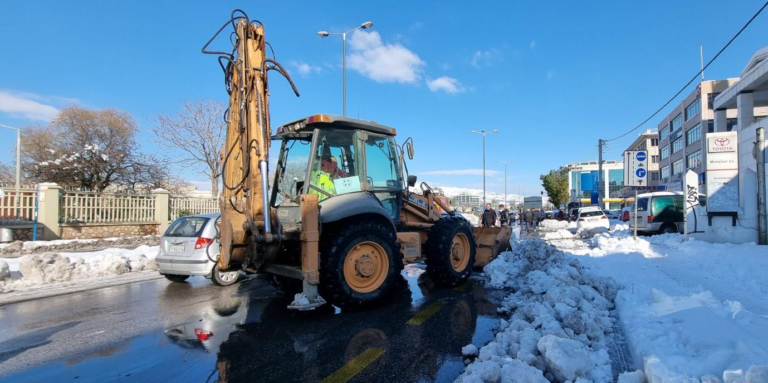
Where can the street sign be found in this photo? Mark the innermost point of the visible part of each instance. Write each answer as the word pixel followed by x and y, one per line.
pixel 635 168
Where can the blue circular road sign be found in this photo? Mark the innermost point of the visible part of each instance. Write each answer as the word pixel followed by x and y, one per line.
pixel 641 156
pixel 640 173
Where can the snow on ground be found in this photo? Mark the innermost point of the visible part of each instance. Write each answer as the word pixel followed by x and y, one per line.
pixel 692 311
pixel 553 225
pixel 50 268
pixel 560 315
pixel 19 248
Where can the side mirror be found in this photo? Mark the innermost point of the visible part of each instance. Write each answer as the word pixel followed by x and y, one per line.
pixel 411 180
pixel 409 148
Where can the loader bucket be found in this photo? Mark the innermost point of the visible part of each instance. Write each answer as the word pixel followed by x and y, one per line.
pixel 490 242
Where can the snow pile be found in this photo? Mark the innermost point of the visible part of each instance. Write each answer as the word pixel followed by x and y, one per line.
pixel 558 234
pixel 473 219
pixel 692 311
pixel 553 225
pixel 560 315
pixel 53 267
pixel 18 248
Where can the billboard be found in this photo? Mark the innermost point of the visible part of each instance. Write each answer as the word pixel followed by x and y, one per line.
pixel 636 168
pixel 722 172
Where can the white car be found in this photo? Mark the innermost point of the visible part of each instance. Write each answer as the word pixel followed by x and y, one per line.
pixel 592 217
pixel 189 248
pixel 612 214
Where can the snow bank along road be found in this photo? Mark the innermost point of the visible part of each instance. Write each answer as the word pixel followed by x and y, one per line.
pixel 49 274
pixel 195 331
pixel 691 311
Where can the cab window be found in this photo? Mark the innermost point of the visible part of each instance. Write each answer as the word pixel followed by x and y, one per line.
pixel 335 166
pixel 381 163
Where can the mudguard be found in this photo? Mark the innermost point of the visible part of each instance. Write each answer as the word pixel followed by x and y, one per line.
pixel 352 204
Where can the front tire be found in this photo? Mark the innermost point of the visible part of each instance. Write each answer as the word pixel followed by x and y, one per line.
pixel 176 278
pixel 359 264
pixel 450 251
pixel 223 278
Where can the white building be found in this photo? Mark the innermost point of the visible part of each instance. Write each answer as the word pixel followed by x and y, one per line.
pixel 467 200
pixel 749 96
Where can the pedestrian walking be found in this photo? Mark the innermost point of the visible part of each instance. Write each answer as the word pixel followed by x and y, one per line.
pixel 528 220
pixel 489 216
pixel 503 215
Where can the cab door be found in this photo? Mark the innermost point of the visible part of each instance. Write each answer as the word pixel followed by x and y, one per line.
pixel 382 171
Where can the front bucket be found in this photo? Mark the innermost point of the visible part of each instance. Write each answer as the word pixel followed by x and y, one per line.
pixel 490 242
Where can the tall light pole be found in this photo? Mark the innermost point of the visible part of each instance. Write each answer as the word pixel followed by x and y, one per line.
pixel 322 34
pixel 483 132
pixel 18 167
pixel 505 178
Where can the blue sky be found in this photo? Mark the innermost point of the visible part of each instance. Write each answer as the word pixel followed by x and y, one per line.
pixel 552 76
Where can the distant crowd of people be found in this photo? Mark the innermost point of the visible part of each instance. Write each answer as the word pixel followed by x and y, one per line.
pixel 528 219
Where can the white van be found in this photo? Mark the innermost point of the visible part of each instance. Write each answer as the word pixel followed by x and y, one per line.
pixel 660 212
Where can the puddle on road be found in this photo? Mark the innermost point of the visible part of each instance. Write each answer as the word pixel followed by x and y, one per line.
pixel 252 336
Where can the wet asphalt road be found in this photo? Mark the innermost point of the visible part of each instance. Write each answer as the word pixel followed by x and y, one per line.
pixel 196 332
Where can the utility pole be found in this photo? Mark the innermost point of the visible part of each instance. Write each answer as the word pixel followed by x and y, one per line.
pixel 505 178
pixel 600 144
pixel 762 227
pixel 483 132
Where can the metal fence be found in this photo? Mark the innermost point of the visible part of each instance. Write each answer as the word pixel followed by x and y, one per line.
pixel 185 205
pixel 10 214
pixel 88 207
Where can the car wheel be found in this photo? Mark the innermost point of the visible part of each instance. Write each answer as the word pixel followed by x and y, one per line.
pixel 224 278
pixel 175 277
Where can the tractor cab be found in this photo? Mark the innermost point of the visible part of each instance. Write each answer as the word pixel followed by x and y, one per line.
pixel 344 161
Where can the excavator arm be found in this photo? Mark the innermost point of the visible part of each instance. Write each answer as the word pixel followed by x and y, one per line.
pixel 247 220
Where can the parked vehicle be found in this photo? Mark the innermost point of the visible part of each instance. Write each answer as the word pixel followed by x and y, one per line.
pixel 573 215
pixel 625 213
pixel 612 214
pixel 658 213
pixel 548 214
pixel 592 217
pixel 189 248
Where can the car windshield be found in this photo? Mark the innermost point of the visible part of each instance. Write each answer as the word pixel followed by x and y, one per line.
pixel 591 213
pixel 293 169
pixel 186 227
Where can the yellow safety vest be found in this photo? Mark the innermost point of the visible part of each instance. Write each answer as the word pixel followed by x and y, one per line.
pixel 323 181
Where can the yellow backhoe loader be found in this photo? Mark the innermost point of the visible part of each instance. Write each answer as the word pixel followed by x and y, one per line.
pixel 340 218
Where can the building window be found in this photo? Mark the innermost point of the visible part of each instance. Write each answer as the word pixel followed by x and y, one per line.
pixel 677 122
pixel 710 126
pixel 665 172
pixel 664 132
pixel 693 109
pixel 711 100
pixel 677 167
pixel 642 146
pixel 677 145
pixel 732 124
pixel 654 142
pixel 694 159
pixel 693 135
pixel 654 159
pixel 654 176
pixel 665 152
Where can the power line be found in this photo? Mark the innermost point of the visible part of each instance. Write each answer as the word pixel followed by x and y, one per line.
pixel 695 76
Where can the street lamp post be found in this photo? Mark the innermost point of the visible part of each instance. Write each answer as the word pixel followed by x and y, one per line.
pixel 18 167
pixel 483 132
pixel 322 34
pixel 505 178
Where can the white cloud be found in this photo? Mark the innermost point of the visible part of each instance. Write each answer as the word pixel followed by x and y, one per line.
pixel 461 172
pixel 481 58
pixel 27 105
pixel 533 44
pixel 305 69
pixel 445 84
pixel 383 62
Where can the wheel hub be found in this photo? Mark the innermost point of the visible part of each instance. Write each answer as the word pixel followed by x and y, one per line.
pixel 365 266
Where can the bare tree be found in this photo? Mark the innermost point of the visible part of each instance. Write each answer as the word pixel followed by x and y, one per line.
pixel 84 148
pixel 196 132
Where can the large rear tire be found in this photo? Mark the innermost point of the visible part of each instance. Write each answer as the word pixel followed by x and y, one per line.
pixel 360 263
pixel 450 251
